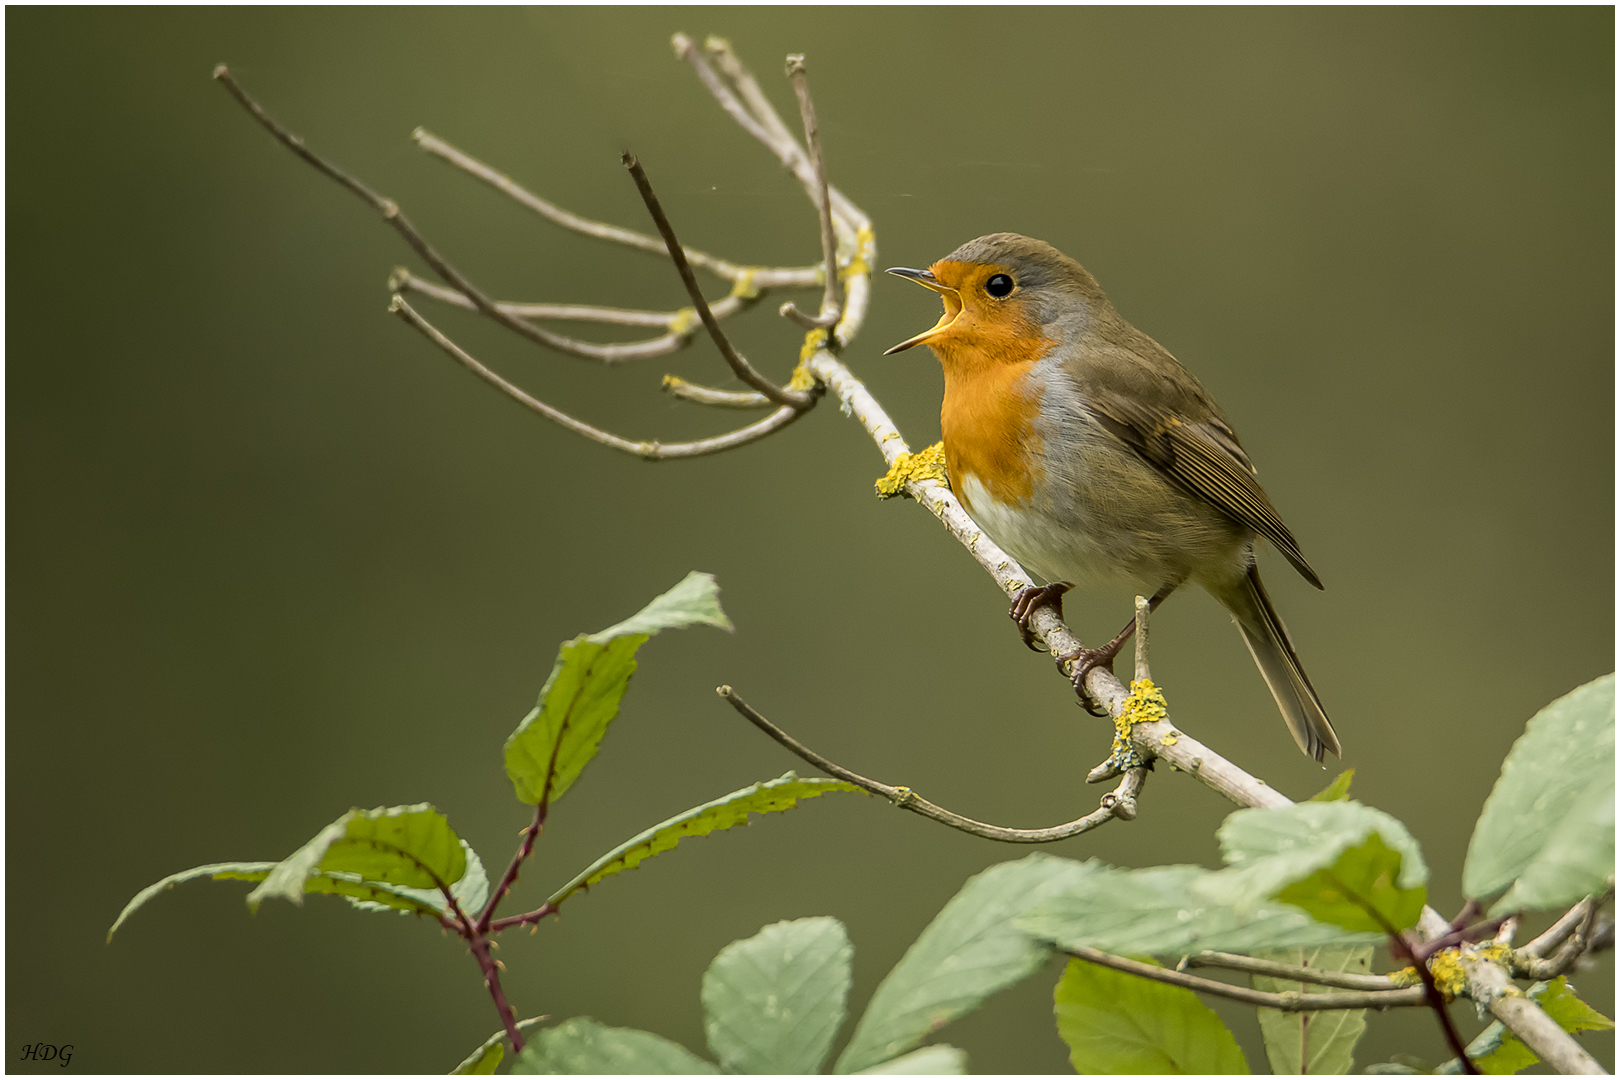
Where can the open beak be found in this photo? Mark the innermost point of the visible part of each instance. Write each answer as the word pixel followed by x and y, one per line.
pixel 953 306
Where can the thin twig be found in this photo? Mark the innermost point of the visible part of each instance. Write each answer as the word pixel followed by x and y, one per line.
pixel 1289 1001
pixel 394 216
pixel 1255 966
pixel 1143 610
pixel 403 279
pixel 743 369
pixel 719 50
pixel 568 220
pixel 1554 935
pixel 651 451
pixel 676 386
pixel 787 151
pixel 1573 948
pixel 509 878
pixel 832 300
pixel 528 917
pixel 907 799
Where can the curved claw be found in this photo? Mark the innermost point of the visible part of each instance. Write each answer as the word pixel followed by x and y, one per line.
pixel 1031 597
pixel 1089 659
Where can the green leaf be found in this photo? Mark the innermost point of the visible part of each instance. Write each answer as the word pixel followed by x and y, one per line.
pixel 1312 1042
pixel 1337 791
pixel 1333 859
pixel 970 951
pixel 470 892
pixel 1558 999
pixel 1170 911
pixel 769 796
pixel 228 871
pixel 581 1045
pixel 483 1063
pixel 937 1060
pixel 772 1003
pixel 1360 891
pixel 1549 821
pixel 696 599
pixel 397 845
pixel 562 733
pixel 479 1060
pixel 1496 1051
pixel 1119 1023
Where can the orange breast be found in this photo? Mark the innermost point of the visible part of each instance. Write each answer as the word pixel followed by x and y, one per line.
pixel 988 412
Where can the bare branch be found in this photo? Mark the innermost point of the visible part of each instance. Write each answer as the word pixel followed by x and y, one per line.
pixel 832 297
pixel 1122 797
pixel 676 386
pixel 719 50
pixel 651 451
pixel 1254 966
pixel 1574 947
pixel 394 216
pixel 1284 1002
pixel 402 280
pixel 1555 934
pixel 764 277
pixel 744 370
pixel 787 151
pixel 1143 609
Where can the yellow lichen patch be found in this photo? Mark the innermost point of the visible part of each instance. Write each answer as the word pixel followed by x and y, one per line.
pixel 861 261
pixel 1145 705
pixel 801 379
pixel 685 321
pixel 1446 968
pixel 926 464
pixel 1169 738
pixel 744 285
pixel 814 341
pixel 1496 952
pixel 1405 977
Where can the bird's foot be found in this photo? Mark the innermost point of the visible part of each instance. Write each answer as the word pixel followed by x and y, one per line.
pixel 1031 597
pixel 1084 661
pixel 1087 659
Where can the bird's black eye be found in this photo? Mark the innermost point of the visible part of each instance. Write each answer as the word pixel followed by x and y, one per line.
pixel 999 286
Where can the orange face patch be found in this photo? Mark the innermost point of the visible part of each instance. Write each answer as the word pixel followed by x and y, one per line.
pixel 986 347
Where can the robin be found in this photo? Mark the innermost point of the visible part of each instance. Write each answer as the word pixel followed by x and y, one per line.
pixel 1082 447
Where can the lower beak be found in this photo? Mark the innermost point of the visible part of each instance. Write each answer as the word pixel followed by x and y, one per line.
pixel 953 306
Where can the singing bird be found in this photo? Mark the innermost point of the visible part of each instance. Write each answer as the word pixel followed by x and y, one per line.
pixel 1082 447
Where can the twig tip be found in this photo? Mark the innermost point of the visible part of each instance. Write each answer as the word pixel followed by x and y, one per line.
pixel 723 691
pixel 396 303
pixel 681 43
pixel 628 160
pixel 795 64
pixel 221 71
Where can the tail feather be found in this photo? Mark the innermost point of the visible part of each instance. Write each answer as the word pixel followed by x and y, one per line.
pixel 1273 652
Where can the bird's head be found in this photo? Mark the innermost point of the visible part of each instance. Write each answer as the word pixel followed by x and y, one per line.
pixel 1008 299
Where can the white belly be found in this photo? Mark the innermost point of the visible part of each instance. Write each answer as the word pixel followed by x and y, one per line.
pixel 1056 551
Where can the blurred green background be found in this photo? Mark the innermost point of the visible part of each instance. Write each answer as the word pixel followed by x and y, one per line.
pixel 271 555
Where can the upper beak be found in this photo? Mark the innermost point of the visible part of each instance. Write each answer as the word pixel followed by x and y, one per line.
pixel 953 305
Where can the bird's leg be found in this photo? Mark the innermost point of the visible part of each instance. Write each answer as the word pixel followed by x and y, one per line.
pixel 1104 656
pixel 1031 597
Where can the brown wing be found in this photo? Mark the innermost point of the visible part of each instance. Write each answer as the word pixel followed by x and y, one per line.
pixel 1202 455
